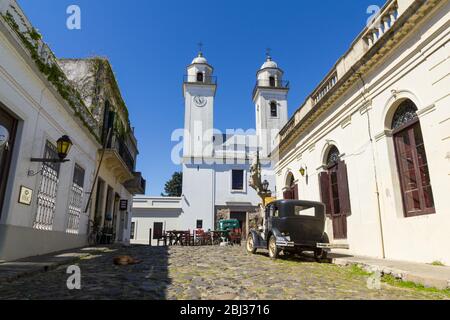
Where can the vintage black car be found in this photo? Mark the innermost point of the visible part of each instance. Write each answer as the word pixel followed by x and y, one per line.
pixel 292 227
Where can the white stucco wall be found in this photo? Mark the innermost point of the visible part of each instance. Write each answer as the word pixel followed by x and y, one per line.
pixel 148 210
pixel 42 116
pixel 416 70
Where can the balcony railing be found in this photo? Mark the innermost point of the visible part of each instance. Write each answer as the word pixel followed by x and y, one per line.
pixel 212 80
pixel 381 24
pixel 118 144
pixel 269 83
pixel 137 184
pixel 325 87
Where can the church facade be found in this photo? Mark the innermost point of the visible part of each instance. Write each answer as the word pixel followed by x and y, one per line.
pixel 216 166
pixel 372 141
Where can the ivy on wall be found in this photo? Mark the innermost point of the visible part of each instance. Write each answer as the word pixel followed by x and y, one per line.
pixel 47 63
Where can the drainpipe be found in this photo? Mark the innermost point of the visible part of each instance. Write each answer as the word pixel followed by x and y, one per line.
pixel 375 171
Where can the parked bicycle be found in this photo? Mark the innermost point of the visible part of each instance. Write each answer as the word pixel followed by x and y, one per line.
pixel 94 233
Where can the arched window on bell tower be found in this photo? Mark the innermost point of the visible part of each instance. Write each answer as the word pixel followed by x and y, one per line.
pixel 273 109
pixel 272 81
pixel 200 77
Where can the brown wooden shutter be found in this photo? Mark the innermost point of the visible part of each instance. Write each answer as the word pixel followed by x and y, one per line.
pixel 295 193
pixel 324 182
pixel 344 192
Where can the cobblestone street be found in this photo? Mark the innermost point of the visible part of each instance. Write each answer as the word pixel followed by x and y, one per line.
pixel 203 273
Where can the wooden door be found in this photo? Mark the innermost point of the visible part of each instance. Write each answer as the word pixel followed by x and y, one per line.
pixel 157 230
pixel 8 132
pixel 338 217
pixel 413 171
pixel 335 195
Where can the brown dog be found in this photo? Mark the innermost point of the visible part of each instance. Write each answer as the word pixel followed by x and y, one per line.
pixel 125 261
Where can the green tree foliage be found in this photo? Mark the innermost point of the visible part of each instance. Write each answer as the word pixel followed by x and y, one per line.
pixel 173 187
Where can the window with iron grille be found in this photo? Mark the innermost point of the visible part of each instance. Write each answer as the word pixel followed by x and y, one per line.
pixel 48 189
pixel 75 201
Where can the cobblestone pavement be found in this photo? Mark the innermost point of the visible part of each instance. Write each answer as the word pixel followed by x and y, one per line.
pixel 203 273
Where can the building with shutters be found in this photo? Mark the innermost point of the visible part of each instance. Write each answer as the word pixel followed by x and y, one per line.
pixel 372 141
pixel 45 206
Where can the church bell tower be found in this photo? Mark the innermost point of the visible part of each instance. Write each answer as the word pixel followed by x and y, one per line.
pixel 199 89
pixel 270 98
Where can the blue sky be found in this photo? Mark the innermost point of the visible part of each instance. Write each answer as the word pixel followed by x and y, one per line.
pixel 150 43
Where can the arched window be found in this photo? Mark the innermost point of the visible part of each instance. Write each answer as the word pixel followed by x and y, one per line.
pixel 273 109
pixel 199 77
pixel 333 156
pixel 335 193
pixel 272 81
pixel 412 161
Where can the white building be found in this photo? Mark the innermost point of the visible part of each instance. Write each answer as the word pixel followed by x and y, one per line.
pixel 216 166
pixel 42 205
pixel 153 215
pixel 374 138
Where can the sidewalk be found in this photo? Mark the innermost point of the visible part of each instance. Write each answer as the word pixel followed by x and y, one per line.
pixel 424 274
pixel 10 271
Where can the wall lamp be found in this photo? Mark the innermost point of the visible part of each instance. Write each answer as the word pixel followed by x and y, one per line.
pixel 303 171
pixel 63 146
pixel 265 186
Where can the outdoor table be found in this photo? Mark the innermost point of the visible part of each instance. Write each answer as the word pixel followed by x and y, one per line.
pixel 177 236
pixel 220 233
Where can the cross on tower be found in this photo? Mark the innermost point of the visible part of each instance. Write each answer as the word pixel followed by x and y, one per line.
pixel 268 51
pixel 200 48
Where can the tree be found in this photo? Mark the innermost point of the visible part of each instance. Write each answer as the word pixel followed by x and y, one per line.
pixel 173 187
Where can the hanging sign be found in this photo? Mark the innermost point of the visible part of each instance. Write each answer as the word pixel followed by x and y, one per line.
pixel 123 205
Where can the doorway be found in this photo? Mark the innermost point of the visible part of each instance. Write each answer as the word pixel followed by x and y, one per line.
pixel 242 218
pixel 8 127
pixel 335 192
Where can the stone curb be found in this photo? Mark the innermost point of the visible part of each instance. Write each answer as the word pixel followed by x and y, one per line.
pixel 37 268
pixel 426 281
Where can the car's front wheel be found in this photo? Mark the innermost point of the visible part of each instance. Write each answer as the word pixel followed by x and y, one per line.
pixel 274 251
pixel 251 244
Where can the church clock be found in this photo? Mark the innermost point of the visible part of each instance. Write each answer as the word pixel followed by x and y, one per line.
pixel 200 101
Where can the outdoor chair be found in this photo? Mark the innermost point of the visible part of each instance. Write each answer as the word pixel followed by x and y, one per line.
pixel 186 238
pixel 235 236
pixel 200 237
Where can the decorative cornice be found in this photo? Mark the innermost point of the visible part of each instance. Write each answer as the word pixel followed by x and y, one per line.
pixel 366 107
pixel 424 111
pixel 400 30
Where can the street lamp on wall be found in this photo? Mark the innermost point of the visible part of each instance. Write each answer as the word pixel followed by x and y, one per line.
pixel 63 146
pixel 265 186
pixel 302 171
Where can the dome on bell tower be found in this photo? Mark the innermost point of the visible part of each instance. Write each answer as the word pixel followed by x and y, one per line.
pixel 269 64
pixel 200 59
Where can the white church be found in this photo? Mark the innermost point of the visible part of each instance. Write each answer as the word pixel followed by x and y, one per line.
pixel 216 166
